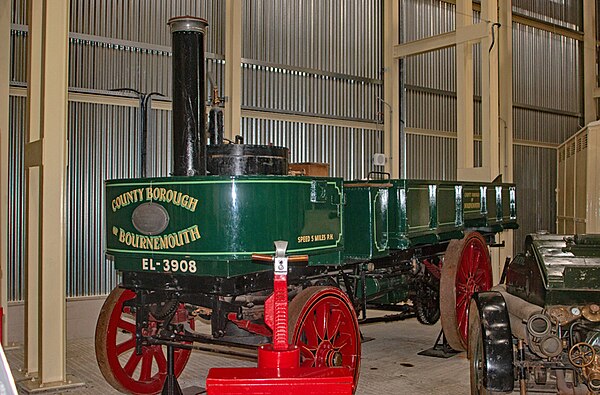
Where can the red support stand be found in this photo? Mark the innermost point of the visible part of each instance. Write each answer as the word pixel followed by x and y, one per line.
pixel 279 370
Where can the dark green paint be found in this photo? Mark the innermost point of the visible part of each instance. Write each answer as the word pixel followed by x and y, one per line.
pixel 366 221
pixel 549 273
pixel 235 217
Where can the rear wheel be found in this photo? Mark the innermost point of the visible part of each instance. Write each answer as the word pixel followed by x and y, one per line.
pixel 427 299
pixel 466 270
pixel 323 325
pixel 121 366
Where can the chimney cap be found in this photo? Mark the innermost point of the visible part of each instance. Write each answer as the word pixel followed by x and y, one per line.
pixel 188 24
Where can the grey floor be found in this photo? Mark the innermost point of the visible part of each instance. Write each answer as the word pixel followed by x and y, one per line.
pixel 390 364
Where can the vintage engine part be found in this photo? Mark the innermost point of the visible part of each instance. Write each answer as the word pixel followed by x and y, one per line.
pixel 543 340
pixel 564 315
pixel 189 124
pixel 246 159
pixel 586 357
pixel 591 312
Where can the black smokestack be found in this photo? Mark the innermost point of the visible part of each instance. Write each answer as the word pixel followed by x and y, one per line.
pixel 189 124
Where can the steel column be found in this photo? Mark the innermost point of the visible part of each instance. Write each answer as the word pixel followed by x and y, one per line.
pixel 505 92
pixel 233 67
pixel 48 95
pixel 32 182
pixel 464 92
pixel 590 84
pixel 5 18
pixel 391 88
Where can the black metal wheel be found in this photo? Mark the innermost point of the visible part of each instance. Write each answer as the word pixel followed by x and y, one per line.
pixel 427 299
pixel 489 346
pixel 476 353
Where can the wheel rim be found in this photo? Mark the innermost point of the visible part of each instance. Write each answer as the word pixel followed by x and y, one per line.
pixel 466 270
pixel 115 349
pixel 476 357
pixel 324 326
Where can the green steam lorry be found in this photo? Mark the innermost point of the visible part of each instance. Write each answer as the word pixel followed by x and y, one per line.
pixel 197 245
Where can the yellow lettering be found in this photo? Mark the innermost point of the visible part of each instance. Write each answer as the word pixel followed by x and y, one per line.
pixel 121 235
pixel 192 205
pixel 194 232
pixel 177 198
pixel 184 201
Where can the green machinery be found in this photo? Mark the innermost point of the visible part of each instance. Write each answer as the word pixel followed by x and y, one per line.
pixel 199 246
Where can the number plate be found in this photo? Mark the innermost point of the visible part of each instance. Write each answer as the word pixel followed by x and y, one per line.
pixel 169 265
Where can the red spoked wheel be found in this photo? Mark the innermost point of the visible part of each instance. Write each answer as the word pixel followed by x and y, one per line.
pixel 323 325
pixel 115 342
pixel 467 269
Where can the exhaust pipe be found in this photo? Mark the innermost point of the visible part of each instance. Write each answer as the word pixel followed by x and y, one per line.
pixel 189 92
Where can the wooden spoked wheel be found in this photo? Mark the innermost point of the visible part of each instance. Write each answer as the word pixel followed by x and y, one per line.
pixel 121 366
pixel 467 269
pixel 323 325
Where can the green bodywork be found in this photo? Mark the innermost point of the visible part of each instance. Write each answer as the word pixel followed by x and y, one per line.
pixel 218 222
pixel 421 212
pixel 556 272
pixel 366 222
pixel 212 225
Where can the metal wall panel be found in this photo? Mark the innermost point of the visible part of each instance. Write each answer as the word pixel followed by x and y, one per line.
pixel 16 197
pixel 431 157
pixel 547 78
pixel 103 144
pixel 535 175
pixel 341 36
pixel 146 21
pixel 284 90
pixel 425 18
pixel 97 65
pixel 18 55
pixel 565 13
pixel 19 11
pixel 348 151
pixel 159 149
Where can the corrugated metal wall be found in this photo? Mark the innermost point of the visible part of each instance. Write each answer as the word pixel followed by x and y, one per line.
pixel 103 143
pixel 323 66
pixel 303 57
pixel 315 58
pixel 547 99
pixel 16 193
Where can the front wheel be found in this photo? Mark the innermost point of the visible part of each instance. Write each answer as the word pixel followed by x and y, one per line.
pixel 490 345
pixel 323 324
pixel 115 339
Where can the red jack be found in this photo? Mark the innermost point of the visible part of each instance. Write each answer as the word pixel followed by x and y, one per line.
pixel 279 370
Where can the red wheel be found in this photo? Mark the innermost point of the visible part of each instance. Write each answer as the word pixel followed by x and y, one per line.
pixel 467 269
pixel 324 326
pixel 115 342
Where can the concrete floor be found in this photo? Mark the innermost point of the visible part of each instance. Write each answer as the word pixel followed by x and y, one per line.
pixel 390 364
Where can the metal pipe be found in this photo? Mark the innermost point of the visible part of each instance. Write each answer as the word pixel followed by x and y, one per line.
pixel 189 124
